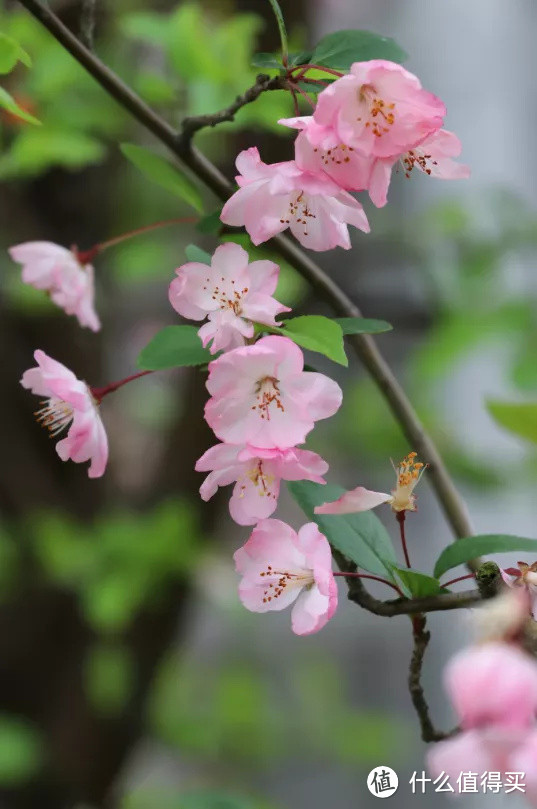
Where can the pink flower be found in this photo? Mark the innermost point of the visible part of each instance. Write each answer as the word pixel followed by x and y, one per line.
pixel 56 270
pixel 257 474
pixel 524 576
pixel 68 406
pixel 317 149
pixel 380 109
pixel 231 293
pixel 433 157
pixel 272 198
pixel 493 684
pixel 402 498
pixel 260 395
pixel 493 749
pixel 280 567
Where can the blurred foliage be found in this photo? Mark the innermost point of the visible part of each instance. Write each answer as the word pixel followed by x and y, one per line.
pixel 121 562
pixel 146 797
pixel 21 751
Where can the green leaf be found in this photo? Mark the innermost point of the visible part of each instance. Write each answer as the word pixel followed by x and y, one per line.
pixel 195 253
pixel 163 173
pixel 210 223
pixel 267 61
pixel 317 333
pixel 362 325
pixel 21 751
pixel 173 347
pixel 11 53
pixel 8 103
pixel 517 417
pixel 300 58
pixel 462 550
pixel 341 48
pixel 108 677
pixel 360 537
pixel 418 584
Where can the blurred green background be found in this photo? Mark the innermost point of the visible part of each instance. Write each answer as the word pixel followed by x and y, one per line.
pixel 130 676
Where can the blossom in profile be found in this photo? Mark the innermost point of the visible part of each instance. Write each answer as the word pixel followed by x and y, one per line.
pixel 261 395
pixel 280 567
pixel 257 474
pixel 68 409
pixel 379 108
pixel 58 271
pixel 524 576
pixel 433 157
pixel 402 498
pixel 272 198
pixel 232 293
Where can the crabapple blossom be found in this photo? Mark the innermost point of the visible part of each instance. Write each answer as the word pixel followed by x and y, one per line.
pixel 525 576
pixel 401 498
pixel 58 271
pixel 280 567
pixel 493 683
pixel 317 149
pixel 68 405
pixel 232 293
pixel 433 157
pixel 491 749
pixel 260 395
pixel 257 474
pixel 379 108
pixel 274 197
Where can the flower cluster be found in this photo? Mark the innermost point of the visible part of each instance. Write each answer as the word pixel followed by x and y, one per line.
pixel 365 123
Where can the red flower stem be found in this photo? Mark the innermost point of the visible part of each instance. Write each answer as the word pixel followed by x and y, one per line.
pixel 373 578
pixel 305 95
pixel 295 99
pixel 316 67
pixel 459 578
pixel 100 393
pixel 85 256
pixel 401 520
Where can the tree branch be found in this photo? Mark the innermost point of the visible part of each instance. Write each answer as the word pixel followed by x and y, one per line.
pixel 421 641
pixel 410 606
pixel 192 125
pixel 364 346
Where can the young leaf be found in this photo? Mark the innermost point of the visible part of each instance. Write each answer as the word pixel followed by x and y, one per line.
pixel 362 325
pixel 517 417
pixel 10 105
pixel 341 48
pixel 11 53
pixel 418 584
pixel 360 537
pixel 300 58
pixel 210 223
pixel 163 173
pixel 462 550
pixel 317 333
pixel 195 253
pixel 173 347
pixel 267 61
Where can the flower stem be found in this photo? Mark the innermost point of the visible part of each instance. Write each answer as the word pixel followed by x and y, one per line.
pixel 85 256
pixel 401 520
pixel 99 393
pixel 459 578
pixel 304 95
pixel 283 33
pixel 304 68
pixel 373 578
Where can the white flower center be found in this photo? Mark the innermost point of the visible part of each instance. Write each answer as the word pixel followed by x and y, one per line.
pixel 55 414
pixel 408 472
pixel 285 580
pixel 379 115
pixel 261 480
pixel 299 211
pixel 229 298
pixel 267 393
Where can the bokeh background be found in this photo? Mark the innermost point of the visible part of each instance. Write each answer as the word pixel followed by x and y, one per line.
pixel 130 676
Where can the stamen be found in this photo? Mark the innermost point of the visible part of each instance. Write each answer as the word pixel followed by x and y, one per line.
pixel 267 392
pixel 285 580
pixel 56 415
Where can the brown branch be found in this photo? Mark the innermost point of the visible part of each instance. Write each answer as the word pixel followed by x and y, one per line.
pixel 364 346
pixel 192 125
pixel 410 606
pixel 421 641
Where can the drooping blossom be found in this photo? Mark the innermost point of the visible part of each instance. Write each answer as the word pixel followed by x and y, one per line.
pixel 257 474
pixel 68 407
pixel 433 157
pixel 402 498
pixel 524 576
pixel 317 149
pixel 488 750
pixel 57 271
pixel 232 293
pixel 280 567
pixel 493 684
pixel 274 197
pixel 260 395
pixel 379 108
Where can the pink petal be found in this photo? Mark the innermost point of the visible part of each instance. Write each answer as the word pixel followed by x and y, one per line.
pixel 359 499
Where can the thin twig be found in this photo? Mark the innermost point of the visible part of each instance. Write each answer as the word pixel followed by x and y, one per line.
pixel 401 520
pixel 87 22
pixel 421 640
pixel 364 346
